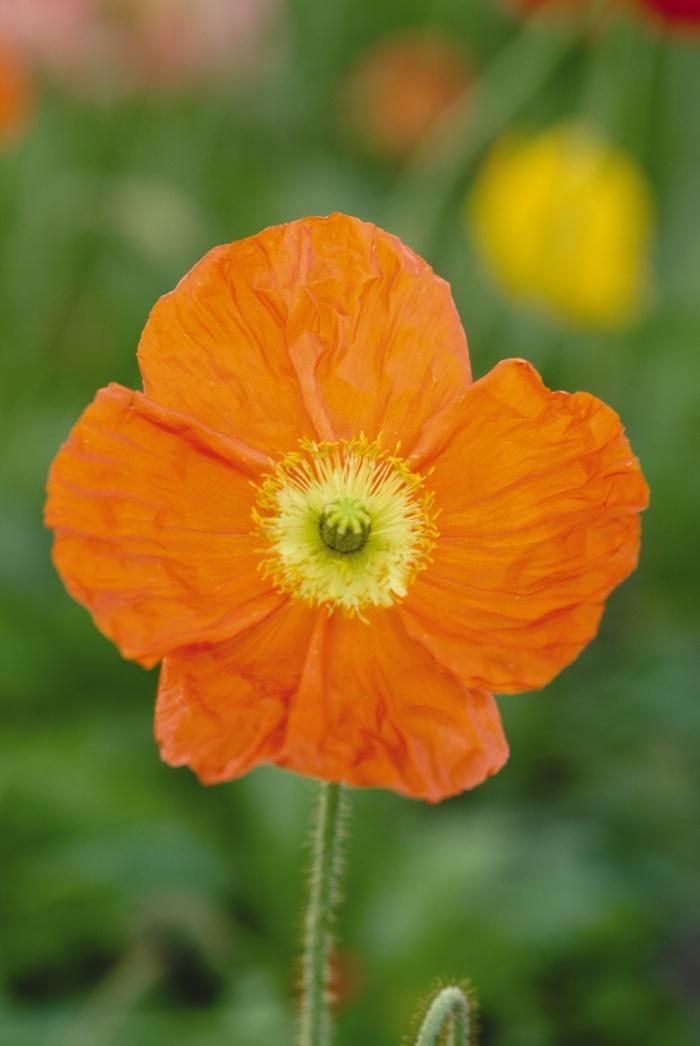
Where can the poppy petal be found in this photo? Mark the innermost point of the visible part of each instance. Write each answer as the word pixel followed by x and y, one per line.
pixel 323 328
pixel 538 493
pixel 222 708
pixel 153 528
pixel 327 697
pixel 374 708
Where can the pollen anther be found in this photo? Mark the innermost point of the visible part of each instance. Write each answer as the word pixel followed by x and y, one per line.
pixel 345 524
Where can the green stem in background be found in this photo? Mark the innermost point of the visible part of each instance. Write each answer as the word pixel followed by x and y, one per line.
pixel 324 894
pixel 448 1013
pixel 439 168
pixel 103 1020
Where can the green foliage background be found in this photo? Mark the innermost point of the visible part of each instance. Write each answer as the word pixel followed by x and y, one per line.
pixel 138 908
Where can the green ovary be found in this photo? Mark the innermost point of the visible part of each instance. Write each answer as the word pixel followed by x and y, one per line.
pixel 345 525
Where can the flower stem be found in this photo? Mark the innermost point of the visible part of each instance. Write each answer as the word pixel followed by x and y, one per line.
pixel 324 894
pixel 449 1011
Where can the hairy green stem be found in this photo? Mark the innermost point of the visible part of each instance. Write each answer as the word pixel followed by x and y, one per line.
pixel 449 1013
pixel 324 894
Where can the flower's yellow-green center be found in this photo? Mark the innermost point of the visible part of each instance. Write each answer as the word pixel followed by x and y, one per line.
pixel 345 525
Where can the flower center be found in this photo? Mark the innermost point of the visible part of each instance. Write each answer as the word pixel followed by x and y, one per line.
pixel 346 525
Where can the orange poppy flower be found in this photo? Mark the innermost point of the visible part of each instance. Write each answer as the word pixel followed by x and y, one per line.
pixel 336 543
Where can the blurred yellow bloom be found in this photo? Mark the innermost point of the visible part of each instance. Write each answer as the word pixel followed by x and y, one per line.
pixel 565 219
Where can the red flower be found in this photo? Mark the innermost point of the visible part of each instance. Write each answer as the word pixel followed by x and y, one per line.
pixel 679 13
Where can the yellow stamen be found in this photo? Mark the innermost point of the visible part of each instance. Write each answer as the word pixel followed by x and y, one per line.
pixel 345 524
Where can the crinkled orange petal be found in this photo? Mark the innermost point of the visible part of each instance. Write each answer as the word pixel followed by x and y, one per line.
pixel 222 709
pixel 325 328
pixel 374 708
pixel 332 698
pixel 151 513
pixel 538 493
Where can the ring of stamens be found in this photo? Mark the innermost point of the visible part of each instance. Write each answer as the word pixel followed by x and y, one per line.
pixel 345 524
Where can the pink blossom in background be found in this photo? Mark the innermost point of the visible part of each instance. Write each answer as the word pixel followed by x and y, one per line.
pixel 122 45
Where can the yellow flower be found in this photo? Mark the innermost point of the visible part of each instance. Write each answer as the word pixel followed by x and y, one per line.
pixel 565 219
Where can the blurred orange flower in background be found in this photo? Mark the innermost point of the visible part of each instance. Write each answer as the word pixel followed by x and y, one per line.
pixel 400 88
pixel 564 219
pixel 16 94
pixel 120 45
pixel 337 543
